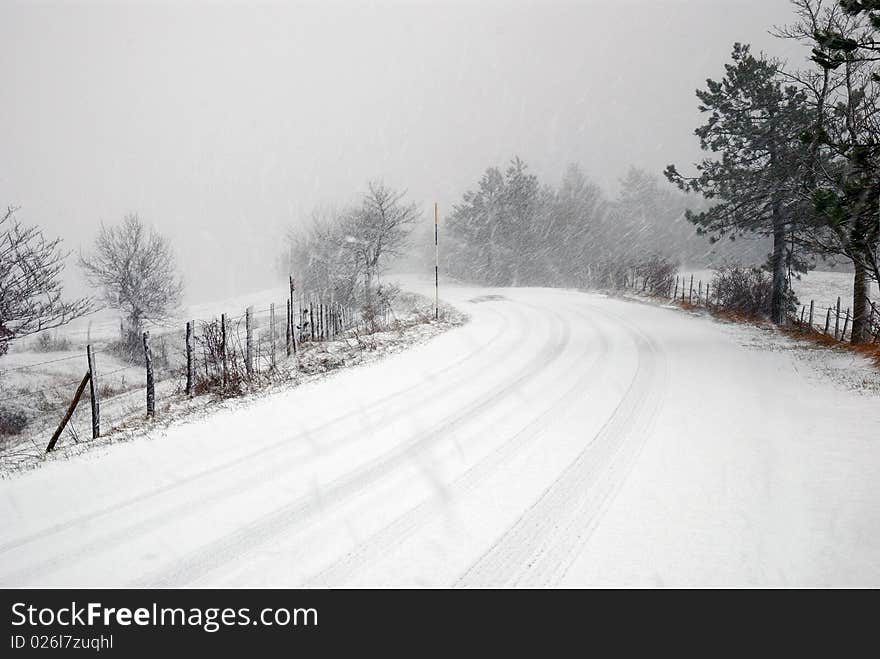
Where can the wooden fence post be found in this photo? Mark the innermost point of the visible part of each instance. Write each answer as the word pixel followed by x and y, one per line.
pixel 292 316
pixel 803 311
pixel 837 321
pixel 151 392
pixel 845 325
pixel 249 341
pixel 69 413
pixel 223 347
pixel 189 357
pixel 287 338
pixel 691 291
pixel 827 320
pixel 93 391
pixel 811 315
pixel 312 321
pixel 871 322
pixel 272 334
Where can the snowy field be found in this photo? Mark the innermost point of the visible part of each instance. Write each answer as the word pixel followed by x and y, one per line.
pixel 43 382
pixel 821 286
pixel 557 439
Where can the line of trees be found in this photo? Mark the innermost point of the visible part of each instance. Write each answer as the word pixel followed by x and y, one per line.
pixel 131 264
pixel 340 255
pixel 513 230
pixel 30 282
pixel 795 154
pixel 134 267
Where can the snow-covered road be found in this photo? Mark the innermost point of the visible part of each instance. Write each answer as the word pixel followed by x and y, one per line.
pixel 558 438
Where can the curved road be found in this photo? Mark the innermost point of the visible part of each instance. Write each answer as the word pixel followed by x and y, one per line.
pixel 558 438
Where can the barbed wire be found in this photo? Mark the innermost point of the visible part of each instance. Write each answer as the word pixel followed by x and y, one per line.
pixel 43 363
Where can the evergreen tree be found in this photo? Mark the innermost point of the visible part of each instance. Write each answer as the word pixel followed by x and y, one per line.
pixel 844 174
pixel 754 133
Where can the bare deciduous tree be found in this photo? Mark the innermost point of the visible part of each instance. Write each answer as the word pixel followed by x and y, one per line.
pixel 320 257
pixel 378 229
pixel 134 265
pixel 30 286
pixel 339 255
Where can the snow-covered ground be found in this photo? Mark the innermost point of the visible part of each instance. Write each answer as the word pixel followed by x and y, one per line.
pixel 557 439
pixel 43 390
pixel 820 286
pixel 42 383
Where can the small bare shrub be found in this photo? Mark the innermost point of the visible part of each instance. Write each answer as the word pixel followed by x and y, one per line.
pixel 379 306
pixel 14 418
pixel 747 290
pixel 224 370
pixel 656 274
pixel 49 342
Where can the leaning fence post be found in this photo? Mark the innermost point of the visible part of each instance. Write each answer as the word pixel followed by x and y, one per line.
pixel 811 315
pixel 827 320
pixel 249 342
pixel 69 413
pixel 837 321
pixel 845 326
pixel 189 357
pixel 151 392
pixel 93 391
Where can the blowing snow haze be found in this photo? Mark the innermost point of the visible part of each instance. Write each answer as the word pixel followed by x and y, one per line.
pixel 223 124
pixel 643 353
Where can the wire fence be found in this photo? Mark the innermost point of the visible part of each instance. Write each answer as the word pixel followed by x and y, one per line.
pixel 128 380
pixel 832 322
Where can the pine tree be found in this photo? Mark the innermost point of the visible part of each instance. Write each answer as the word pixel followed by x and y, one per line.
pixel 843 180
pixel 754 131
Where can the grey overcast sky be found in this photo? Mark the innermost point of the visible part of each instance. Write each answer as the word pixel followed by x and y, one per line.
pixel 221 124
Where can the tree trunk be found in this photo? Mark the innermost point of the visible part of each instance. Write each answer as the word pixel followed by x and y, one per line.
pixel 777 265
pixel 860 314
pixel 368 282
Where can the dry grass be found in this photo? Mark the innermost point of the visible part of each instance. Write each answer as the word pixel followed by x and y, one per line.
pixel 869 350
pixel 741 317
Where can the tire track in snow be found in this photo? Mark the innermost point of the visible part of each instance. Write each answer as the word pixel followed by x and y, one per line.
pixel 262 451
pixel 540 547
pixel 192 506
pixel 246 538
pixel 384 540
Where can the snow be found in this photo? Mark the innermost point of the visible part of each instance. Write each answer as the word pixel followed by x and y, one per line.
pixel 559 438
pixel 823 287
